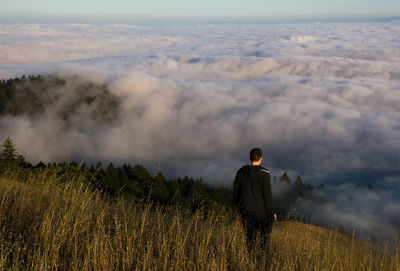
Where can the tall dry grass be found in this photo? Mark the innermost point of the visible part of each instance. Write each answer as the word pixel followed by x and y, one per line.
pixel 47 225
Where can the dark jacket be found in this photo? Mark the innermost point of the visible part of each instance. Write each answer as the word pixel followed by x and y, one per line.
pixel 252 191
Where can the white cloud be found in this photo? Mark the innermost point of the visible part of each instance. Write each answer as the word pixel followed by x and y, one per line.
pixel 370 212
pixel 302 39
pixel 319 102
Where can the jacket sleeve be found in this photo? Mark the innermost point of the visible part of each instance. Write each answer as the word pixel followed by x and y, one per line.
pixel 236 190
pixel 268 195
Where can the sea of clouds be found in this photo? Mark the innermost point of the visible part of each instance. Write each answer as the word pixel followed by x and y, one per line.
pixel 321 99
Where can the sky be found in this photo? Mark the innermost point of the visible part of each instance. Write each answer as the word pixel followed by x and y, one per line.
pixel 199 8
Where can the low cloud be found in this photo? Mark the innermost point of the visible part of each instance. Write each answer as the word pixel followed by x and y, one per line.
pixel 302 39
pixel 368 211
pixel 202 93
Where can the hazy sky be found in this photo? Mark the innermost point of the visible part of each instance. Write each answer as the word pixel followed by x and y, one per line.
pixel 203 8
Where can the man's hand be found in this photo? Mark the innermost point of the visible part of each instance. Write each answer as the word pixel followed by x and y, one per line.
pixel 275 217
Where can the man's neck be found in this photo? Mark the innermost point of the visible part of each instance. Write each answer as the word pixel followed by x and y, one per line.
pixel 256 163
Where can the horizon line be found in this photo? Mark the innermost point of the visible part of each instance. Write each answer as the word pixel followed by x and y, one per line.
pixel 21 19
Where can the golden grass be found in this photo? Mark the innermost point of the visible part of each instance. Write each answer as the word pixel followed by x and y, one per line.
pixel 299 246
pixel 46 225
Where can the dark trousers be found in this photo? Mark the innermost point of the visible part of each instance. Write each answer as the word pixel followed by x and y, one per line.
pixel 258 227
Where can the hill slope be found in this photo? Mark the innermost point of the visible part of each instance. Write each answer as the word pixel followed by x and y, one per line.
pixel 47 225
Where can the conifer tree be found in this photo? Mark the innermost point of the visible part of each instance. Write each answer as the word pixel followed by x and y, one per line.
pixel 298 180
pixel 159 191
pixel 174 191
pixel 99 166
pixel 111 178
pixel 9 153
pixel 284 178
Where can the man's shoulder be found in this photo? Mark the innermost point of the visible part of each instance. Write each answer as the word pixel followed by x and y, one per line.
pixel 262 169
pixel 242 170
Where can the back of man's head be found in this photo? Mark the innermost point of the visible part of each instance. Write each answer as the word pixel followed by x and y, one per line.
pixel 255 154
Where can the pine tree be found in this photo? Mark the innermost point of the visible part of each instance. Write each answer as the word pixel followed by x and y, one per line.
pixel 174 191
pixel 299 186
pixel 111 179
pixel 98 173
pixel 140 175
pixel 9 153
pixel 284 178
pixel 159 191
pixel 298 180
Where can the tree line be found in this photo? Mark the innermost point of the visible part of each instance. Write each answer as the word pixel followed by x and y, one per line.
pixel 134 182
pixel 30 96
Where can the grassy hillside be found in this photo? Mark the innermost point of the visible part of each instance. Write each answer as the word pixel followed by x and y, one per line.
pixel 49 225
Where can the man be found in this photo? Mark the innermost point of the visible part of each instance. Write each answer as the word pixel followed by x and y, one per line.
pixel 252 195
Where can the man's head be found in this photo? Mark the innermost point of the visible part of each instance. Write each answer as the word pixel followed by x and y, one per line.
pixel 256 156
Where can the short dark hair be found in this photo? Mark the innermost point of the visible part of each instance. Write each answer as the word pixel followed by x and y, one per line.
pixel 255 154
